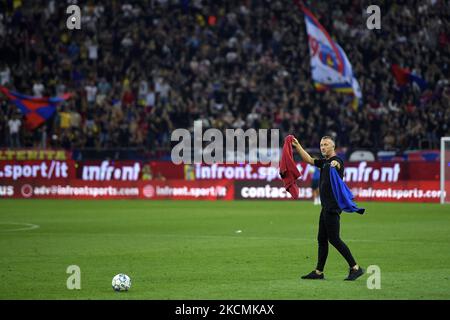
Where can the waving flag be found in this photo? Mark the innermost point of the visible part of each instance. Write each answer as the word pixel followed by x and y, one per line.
pixel 403 76
pixel 36 110
pixel 343 194
pixel 330 67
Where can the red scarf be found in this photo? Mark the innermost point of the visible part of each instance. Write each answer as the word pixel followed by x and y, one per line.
pixel 288 170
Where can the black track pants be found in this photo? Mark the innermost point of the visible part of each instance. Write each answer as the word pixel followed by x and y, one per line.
pixel 329 225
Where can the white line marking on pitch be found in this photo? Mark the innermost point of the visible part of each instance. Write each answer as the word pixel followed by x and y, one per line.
pixel 28 226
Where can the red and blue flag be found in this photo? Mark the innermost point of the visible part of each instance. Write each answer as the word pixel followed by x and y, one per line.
pixel 330 67
pixel 36 110
pixel 404 76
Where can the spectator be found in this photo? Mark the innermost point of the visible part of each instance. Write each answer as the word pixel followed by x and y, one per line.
pixel 14 125
pixel 38 89
pixel 5 75
pixel 91 94
pixel 64 119
pixel 147 172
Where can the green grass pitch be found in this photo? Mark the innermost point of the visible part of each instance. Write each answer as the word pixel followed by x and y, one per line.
pixel 191 250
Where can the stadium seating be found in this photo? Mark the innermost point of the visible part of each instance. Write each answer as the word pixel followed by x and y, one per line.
pixel 171 63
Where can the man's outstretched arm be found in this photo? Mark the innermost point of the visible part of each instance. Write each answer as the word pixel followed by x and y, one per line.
pixel 305 155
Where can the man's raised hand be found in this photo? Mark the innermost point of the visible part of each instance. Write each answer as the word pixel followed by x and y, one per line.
pixel 295 143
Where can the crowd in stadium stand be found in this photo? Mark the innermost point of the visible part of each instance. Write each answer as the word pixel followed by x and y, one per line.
pixel 140 69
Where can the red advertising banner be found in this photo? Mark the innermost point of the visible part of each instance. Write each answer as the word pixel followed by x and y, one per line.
pixel 37 169
pixel 128 170
pixel 268 190
pixel 354 171
pixel 151 190
pixel 406 191
pixel 53 174
pixel 108 170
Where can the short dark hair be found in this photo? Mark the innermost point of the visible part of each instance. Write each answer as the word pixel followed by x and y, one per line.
pixel 329 138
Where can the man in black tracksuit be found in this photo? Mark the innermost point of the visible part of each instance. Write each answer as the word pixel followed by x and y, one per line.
pixel 329 222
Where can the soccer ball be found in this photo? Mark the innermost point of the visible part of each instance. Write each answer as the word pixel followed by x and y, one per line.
pixel 121 282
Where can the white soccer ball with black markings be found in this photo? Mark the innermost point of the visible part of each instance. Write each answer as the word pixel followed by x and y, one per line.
pixel 121 282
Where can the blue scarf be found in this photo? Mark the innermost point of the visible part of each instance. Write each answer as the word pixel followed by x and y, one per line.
pixel 342 193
